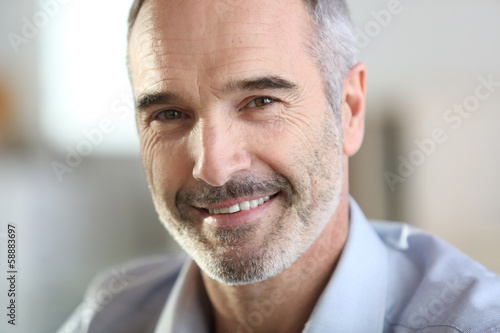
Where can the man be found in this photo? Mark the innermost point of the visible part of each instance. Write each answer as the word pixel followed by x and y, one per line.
pixel 247 114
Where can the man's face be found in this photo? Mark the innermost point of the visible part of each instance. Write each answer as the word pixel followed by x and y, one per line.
pixel 232 110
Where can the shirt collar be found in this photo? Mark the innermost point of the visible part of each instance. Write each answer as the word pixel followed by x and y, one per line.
pixel 353 301
pixel 188 308
pixel 355 298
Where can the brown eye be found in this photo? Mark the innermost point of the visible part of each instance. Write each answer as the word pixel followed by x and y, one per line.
pixel 260 102
pixel 170 115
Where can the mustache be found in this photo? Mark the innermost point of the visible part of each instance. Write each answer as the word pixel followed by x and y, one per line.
pixel 207 194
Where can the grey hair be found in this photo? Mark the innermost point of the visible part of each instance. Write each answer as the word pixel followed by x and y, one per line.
pixel 333 45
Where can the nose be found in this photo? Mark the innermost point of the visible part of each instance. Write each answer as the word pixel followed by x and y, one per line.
pixel 219 152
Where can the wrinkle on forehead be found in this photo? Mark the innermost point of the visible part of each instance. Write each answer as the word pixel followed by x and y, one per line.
pixel 169 46
pixel 195 19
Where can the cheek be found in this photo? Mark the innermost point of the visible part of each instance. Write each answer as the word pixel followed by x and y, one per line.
pixel 165 163
pixel 293 134
pixel 309 147
pixel 283 148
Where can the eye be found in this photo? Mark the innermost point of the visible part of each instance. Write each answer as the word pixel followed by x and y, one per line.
pixel 260 102
pixel 170 115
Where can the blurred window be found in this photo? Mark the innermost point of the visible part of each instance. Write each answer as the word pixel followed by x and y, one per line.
pixel 83 77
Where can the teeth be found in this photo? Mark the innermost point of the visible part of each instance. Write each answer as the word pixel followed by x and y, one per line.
pixel 245 205
pixel 234 209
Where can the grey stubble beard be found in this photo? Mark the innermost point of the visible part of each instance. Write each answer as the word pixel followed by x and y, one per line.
pixel 225 261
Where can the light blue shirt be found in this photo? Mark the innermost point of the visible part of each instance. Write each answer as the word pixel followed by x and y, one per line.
pixel 390 278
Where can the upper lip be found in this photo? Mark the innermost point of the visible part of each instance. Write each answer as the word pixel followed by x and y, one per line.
pixel 232 202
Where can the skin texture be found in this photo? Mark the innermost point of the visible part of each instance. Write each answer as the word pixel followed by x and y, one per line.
pixel 231 107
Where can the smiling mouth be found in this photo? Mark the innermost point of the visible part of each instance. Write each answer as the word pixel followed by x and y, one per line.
pixel 242 206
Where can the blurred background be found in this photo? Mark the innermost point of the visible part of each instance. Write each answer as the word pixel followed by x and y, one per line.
pixel 72 182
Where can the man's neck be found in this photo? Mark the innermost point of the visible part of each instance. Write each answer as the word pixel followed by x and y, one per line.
pixel 284 302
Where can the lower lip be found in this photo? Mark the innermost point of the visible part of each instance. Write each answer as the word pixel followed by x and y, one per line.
pixel 243 217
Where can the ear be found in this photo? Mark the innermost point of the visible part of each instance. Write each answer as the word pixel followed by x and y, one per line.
pixel 353 108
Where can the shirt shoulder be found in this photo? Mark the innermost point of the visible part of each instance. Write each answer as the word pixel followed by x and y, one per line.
pixel 127 298
pixel 433 287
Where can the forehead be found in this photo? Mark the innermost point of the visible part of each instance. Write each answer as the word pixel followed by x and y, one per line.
pixel 177 41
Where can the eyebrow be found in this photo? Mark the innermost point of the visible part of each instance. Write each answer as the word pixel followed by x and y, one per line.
pixel 149 99
pixel 260 83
